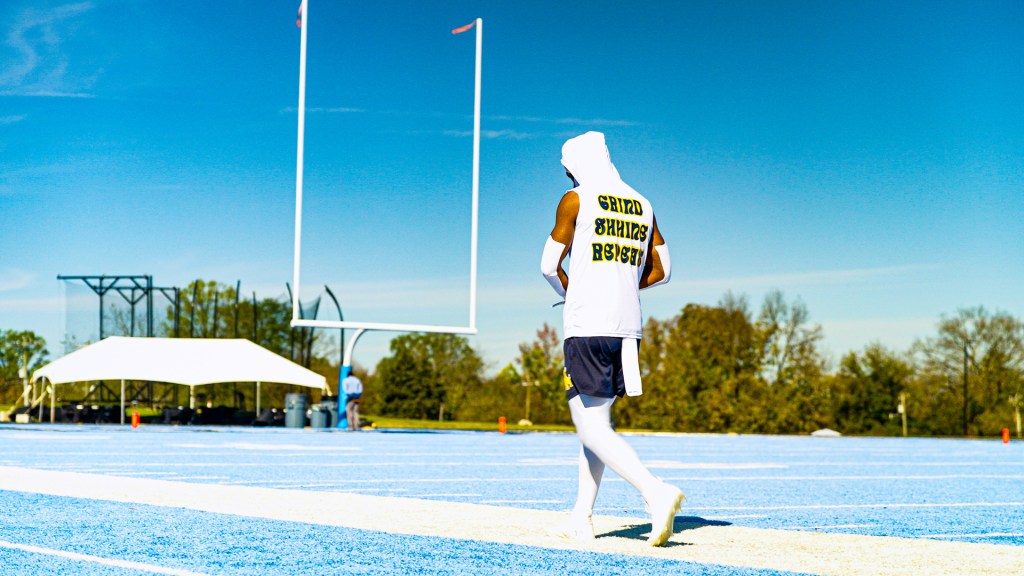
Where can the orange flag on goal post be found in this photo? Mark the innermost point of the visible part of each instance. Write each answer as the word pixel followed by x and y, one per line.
pixel 298 19
pixel 462 29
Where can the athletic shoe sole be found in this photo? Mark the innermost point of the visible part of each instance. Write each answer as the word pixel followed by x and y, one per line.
pixel 663 517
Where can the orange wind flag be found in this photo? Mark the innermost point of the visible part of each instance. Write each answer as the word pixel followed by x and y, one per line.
pixel 298 19
pixel 462 29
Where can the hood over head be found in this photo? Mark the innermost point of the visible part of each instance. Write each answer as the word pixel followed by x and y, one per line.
pixel 586 157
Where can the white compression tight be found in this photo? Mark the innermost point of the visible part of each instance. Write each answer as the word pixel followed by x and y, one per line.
pixel 600 445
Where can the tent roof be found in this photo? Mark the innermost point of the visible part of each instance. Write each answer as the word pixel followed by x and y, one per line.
pixel 189 361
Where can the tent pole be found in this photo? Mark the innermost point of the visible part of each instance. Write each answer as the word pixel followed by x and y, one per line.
pixel 191 397
pixel 122 401
pixel 53 402
pixel 257 399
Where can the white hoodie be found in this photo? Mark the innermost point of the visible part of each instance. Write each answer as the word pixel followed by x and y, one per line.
pixel 609 247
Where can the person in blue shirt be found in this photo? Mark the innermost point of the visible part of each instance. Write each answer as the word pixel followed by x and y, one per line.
pixel 353 389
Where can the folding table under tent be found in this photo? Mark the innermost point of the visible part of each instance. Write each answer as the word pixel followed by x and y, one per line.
pixel 188 361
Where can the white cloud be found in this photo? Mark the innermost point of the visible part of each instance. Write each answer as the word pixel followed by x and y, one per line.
pixel 12 119
pixel 39 65
pixel 492 134
pixel 322 110
pixel 817 278
pixel 573 121
pixel 12 279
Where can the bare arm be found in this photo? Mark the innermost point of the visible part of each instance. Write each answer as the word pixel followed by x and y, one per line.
pixel 654 269
pixel 565 227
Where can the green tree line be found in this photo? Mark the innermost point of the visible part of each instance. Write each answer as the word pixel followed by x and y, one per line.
pixel 726 368
pixel 722 368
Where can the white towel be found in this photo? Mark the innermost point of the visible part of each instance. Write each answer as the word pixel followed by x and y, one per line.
pixel 631 366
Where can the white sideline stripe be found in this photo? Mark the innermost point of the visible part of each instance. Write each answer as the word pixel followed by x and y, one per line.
pixel 982 535
pixel 801 551
pixel 267 447
pixel 893 505
pixel 834 527
pixel 879 477
pixel 909 464
pixel 99 560
pixel 522 502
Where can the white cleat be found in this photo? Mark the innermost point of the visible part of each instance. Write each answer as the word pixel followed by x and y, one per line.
pixel 663 506
pixel 574 528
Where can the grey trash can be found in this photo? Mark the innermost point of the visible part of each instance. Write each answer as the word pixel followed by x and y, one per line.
pixel 295 410
pixel 330 408
pixel 318 416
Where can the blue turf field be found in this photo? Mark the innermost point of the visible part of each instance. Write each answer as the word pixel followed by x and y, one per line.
pixel 961 490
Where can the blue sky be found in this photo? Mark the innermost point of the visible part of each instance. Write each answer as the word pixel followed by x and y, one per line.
pixel 867 157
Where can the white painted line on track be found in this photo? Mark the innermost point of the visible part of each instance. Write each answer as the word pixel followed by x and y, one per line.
pixel 830 478
pixel 981 535
pixel 358 490
pixel 674 465
pixel 153 473
pixel 660 464
pixel 698 541
pixel 58 437
pixel 99 560
pixel 891 505
pixel 522 502
pixel 901 463
pixel 422 480
pixel 834 527
pixel 270 447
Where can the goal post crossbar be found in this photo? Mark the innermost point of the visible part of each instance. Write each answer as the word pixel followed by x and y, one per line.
pixel 385 327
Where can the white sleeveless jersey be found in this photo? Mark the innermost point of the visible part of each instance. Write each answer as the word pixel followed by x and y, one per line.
pixel 609 249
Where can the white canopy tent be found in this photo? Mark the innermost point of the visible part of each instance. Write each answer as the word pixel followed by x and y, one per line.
pixel 188 361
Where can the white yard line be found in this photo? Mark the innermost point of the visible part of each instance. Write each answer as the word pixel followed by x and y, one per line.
pixel 851 477
pixel 99 560
pixel 889 505
pixel 790 550
pixel 982 535
pixel 522 502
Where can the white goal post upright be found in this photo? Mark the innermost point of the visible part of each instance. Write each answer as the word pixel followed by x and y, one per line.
pixel 476 170
pixel 380 326
pixel 303 24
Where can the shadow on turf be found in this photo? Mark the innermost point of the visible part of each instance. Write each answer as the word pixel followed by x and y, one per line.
pixel 642 531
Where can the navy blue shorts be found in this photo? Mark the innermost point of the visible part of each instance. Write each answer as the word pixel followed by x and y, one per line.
pixel 593 366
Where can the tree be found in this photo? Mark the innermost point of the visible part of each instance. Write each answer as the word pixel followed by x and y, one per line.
pixel 542 365
pixel 426 371
pixel 869 385
pixel 787 342
pixel 699 372
pixel 19 349
pixel 975 361
pixel 800 399
pixel 208 309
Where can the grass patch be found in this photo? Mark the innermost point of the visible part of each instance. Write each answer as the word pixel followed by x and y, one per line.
pixel 389 422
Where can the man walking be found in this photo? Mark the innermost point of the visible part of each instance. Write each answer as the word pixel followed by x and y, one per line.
pixel 615 249
pixel 352 387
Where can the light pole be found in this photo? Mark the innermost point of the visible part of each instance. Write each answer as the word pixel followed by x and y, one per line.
pixel 24 372
pixel 902 409
pixel 1016 400
pixel 527 384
